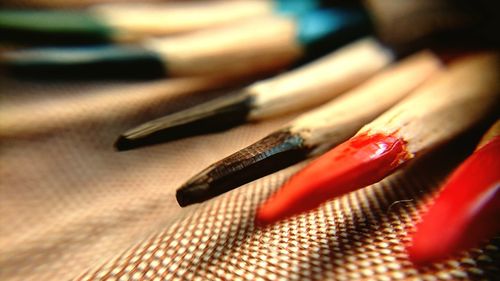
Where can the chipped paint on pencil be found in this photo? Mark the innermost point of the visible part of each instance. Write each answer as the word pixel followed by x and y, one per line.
pixel 432 115
pixel 361 161
pixel 313 132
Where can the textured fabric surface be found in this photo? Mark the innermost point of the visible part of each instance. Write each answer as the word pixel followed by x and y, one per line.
pixel 73 208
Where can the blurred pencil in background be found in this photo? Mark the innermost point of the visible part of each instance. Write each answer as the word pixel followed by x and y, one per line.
pixel 304 87
pixel 254 45
pixel 65 4
pixel 131 22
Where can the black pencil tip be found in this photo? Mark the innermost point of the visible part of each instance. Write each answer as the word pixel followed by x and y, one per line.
pixel 273 153
pixel 193 194
pixel 122 144
pixel 213 116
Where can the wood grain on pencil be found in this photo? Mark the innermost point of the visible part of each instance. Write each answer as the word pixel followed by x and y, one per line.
pixel 304 87
pixel 311 133
pixel 437 111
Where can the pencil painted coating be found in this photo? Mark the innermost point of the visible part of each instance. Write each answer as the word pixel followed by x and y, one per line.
pixel 361 161
pixel 298 89
pixel 52 26
pixel 432 115
pixel 468 205
pixel 312 133
pixel 450 104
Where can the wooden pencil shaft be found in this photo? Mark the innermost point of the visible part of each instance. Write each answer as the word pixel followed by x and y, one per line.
pixel 310 134
pixel 318 81
pixel 339 119
pixel 175 17
pixel 264 41
pixel 259 45
pixel 296 89
pixel 445 106
pixel 267 41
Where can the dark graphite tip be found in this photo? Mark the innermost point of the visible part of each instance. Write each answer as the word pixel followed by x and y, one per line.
pixel 273 153
pixel 188 196
pixel 210 117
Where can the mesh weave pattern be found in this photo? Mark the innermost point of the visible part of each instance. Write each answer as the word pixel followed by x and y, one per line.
pixel 71 207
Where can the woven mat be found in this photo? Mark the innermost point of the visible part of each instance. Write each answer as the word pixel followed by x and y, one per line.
pixel 73 208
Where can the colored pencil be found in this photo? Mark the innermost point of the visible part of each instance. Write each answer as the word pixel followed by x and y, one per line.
pixel 468 205
pixel 311 133
pixel 58 4
pixel 126 22
pixel 258 44
pixel 304 87
pixel 439 110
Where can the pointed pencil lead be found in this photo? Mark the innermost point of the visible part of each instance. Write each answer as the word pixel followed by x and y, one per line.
pixel 314 132
pixel 213 116
pixel 363 160
pixel 468 205
pixel 291 91
pixel 272 153
pixel 426 119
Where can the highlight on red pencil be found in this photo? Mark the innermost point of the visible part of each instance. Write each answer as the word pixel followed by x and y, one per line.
pixel 466 211
pixel 361 161
pixel 431 116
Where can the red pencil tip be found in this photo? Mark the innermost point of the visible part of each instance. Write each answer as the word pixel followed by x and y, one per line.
pixel 363 160
pixel 465 212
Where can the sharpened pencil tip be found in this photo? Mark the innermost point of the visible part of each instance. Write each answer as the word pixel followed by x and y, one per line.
pixel 363 160
pixel 273 153
pixel 122 144
pixel 190 194
pixel 210 117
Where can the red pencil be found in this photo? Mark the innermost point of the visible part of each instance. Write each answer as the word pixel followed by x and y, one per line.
pixel 439 110
pixel 468 205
